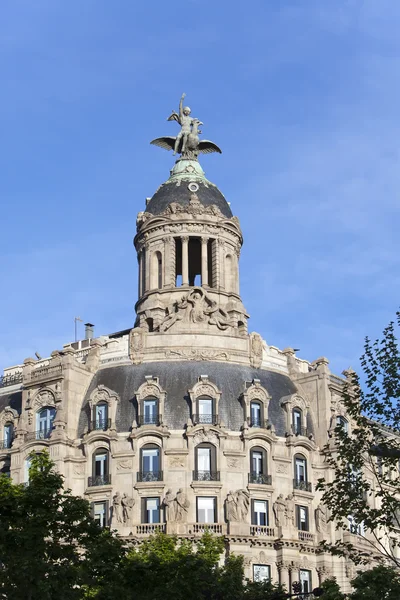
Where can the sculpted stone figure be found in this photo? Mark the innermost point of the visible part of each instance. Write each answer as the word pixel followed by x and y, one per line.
pixel 127 505
pixel 237 505
pixel 289 512
pixel 279 508
pixel 321 518
pixel 181 506
pixel 169 504
pixel 117 507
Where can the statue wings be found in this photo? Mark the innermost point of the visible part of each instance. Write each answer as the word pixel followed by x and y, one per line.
pixel 174 117
pixel 168 142
pixel 207 147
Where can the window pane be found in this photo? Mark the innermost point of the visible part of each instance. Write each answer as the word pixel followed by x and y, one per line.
pixel 100 513
pixel 261 572
pixel 260 508
pixel 205 510
pixel 150 459
pixel 205 406
pixel 152 510
pixel 255 410
pixel 150 410
pixel 305 580
pixel 101 413
pixel 300 469
pixel 203 459
pixel 100 465
pixel 257 462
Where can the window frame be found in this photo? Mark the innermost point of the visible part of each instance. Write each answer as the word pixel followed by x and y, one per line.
pixel 215 513
pixel 261 566
pixel 49 419
pixel 146 474
pixel 253 422
pixel 297 459
pixel 106 504
pixel 146 512
pixel 297 420
pixel 100 424
pixel 155 418
pixel 8 433
pixel 302 525
pixel 105 468
pixel 302 580
pixel 213 458
pixel 254 513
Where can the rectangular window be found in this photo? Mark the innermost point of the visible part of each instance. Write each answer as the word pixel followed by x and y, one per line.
pixel 204 459
pixel 151 460
pixel 101 416
pixel 150 411
pixel 255 410
pixel 261 573
pixel 301 469
pixel 206 510
pixel 205 410
pixel 302 518
pixel 260 513
pixel 305 580
pixel 297 421
pixel 257 462
pixel 100 513
pixel 151 510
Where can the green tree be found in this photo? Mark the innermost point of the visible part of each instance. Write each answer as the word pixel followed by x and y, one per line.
pixel 331 590
pixel 380 583
pixel 365 458
pixel 47 537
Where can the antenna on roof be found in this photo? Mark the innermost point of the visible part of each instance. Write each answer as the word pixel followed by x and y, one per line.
pixel 76 319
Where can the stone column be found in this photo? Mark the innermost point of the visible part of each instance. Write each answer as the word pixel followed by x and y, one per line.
pixel 146 278
pixel 185 260
pixel 204 262
pixel 284 576
pixel 169 267
pixel 140 255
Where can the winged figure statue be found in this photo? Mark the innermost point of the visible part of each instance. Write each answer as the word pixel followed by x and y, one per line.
pixel 187 142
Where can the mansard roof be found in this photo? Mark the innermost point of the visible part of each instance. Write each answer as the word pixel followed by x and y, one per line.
pixel 176 378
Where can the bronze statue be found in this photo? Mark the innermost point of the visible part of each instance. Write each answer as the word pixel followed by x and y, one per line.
pixel 187 141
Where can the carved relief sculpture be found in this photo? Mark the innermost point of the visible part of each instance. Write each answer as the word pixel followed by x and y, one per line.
pixel 176 507
pixel 256 350
pixel 321 518
pixel 237 505
pixel 279 508
pixel 127 503
pixel 289 512
pixel 116 515
pixel 195 307
pixel 169 506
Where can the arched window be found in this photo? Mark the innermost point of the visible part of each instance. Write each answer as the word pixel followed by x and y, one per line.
pixel 150 461
pixel 297 424
pixel 101 416
pixel 156 270
pixel 44 422
pixel 205 410
pixel 8 435
pixel 206 463
pixel 101 466
pixel 259 466
pixel 343 423
pixel 149 413
pixel 300 481
pixel 256 414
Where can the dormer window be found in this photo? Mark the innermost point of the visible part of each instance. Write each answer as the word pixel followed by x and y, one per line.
pixel 150 411
pixel 297 421
pixel 101 416
pixel 255 414
pixel 205 412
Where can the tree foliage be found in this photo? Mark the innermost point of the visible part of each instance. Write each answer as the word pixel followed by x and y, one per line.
pixel 365 459
pixel 46 535
pixel 381 583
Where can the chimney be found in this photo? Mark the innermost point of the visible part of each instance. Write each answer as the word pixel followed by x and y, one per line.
pixel 89 331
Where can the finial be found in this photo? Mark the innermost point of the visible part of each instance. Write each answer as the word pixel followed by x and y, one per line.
pixel 187 142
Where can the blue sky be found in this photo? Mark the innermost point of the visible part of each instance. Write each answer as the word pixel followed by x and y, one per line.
pixel 303 97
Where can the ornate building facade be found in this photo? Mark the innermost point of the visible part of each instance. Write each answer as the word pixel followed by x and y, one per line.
pixel 187 422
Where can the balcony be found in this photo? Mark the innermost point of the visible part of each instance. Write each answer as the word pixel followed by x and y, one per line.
pixel 207 419
pixel 146 476
pixel 5 444
pixel 98 480
pixel 200 528
pixel 303 431
pixel 259 423
pixel 150 528
pixel 306 536
pixel 206 476
pixel 150 420
pixel 6 380
pixel 46 373
pixel 304 486
pixel 262 530
pixel 42 434
pixel 100 425
pixel 260 478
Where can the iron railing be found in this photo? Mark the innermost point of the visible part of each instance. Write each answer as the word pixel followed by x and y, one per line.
pixel 260 478
pixel 207 419
pixel 6 380
pixel 100 425
pixel 97 480
pixel 144 476
pixel 304 486
pixel 42 434
pixel 261 423
pixel 206 476
pixel 150 419
pixel 298 430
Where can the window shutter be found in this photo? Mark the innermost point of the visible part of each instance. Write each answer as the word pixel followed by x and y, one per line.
pixel 267 513
pixel 143 510
pixel 307 523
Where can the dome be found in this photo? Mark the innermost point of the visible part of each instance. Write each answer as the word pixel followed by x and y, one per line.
pixel 176 378
pixel 187 177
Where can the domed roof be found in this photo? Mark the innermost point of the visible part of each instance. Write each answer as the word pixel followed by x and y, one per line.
pixel 187 177
pixel 176 378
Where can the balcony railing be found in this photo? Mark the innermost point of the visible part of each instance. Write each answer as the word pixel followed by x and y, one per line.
pixel 42 434
pixel 143 476
pixel 48 372
pixel 297 430
pixel 306 536
pixel 261 423
pixel 6 380
pixel 207 419
pixel 201 528
pixel 304 486
pixel 150 419
pixel 260 478
pixel 99 480
pixel 5 444
pixel 150 528
pixel 100 425
pixel 206 476
pixel 262 530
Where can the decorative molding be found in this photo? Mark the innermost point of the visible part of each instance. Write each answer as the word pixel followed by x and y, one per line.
pixel 255 350
pixel 197 354
pixel 136 345
pixel 203 435
pixel 195 307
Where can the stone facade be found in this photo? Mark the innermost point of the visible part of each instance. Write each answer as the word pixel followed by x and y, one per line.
pixel 187 422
